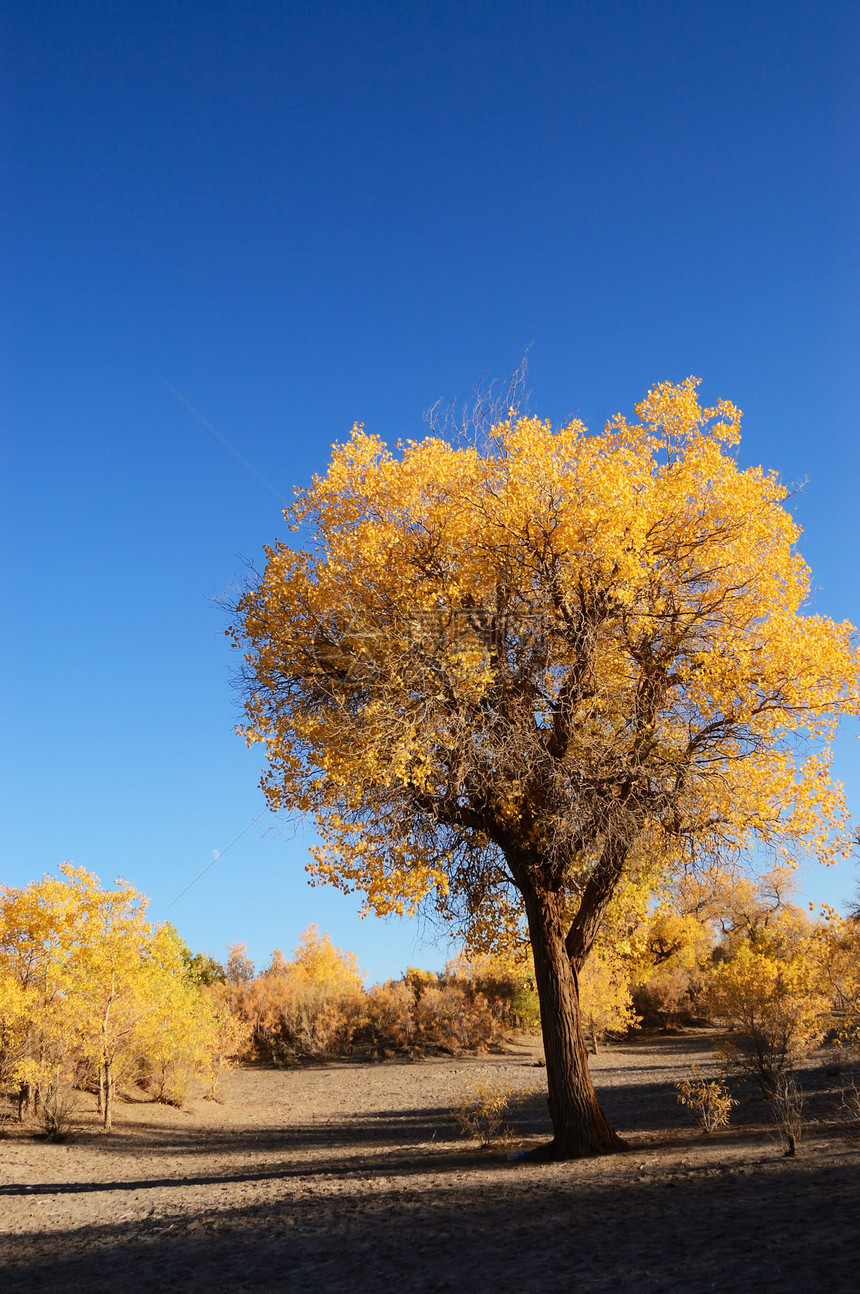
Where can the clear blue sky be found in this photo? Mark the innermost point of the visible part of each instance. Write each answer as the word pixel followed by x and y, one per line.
pixel 302 216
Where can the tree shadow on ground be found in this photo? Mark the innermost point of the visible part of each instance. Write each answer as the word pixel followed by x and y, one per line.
pixel 421 1140
pixel 684 1232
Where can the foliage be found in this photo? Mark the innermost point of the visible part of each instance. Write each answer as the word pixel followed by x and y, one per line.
pixel 482 1109
pixel 447 1016
pixel 604 993
pixel 303 1009
pixel 91 994
pixel 707 1098
pixel 226 1036
pixel 449 1019
pixel 238 969
pixel 315 1007
pixel 506 982
pixel 387 1024
pixel 703 917
pixel 505 675
pixel 775 1006
pixel 838 953
pixel 675 947
pixel 316 961
pixel 201 969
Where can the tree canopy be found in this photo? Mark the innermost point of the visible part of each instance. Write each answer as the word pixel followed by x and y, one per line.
pixel 505 676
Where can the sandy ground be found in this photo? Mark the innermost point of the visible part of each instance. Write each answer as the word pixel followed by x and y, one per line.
pixel 351 1177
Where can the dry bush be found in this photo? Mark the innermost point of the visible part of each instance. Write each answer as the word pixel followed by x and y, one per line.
pixel 428 1015
pixel 453 1020
pixel 787 1112
pixel 326 1027
pixel 670 992
pixel 850 1098
pixel 315 1007
pixel 168 1082
pixel 306 1009
pixel 481 1110
pixel 506 983
pixel 60 1110
pixel 707 1098
pixel 388 1021
pixel 418 980
pixel 293 1021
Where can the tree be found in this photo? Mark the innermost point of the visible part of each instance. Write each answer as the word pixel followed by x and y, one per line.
pixel 504 675
pixel 88 990
pixel 40 1017
pixel 838 953
pixel 114 964
pixel 774 1000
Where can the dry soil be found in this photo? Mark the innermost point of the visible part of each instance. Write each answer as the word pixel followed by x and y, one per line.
pixel 351 1177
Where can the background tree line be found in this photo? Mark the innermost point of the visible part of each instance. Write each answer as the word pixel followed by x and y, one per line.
pixel 94 998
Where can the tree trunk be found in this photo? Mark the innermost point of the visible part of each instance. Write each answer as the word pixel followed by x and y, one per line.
pixel 101 1088
pixel 578 1122
pixel 108 1120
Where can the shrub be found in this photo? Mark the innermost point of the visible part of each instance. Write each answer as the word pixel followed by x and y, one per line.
pixel 388 1021
pixel 838 949
pixel 787 1112
pixel 668 976
pixel 482 1110
pixel 707 1098
pixel 60 1110
pixel 851 1098
pixel 405 1016
pixel 506 984
pixel 452 1020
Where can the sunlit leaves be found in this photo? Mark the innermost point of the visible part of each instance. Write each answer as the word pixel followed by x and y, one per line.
pixel 529 647
pixel 90 993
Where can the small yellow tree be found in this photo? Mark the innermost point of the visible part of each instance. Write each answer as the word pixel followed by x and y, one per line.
pixel 40 931
pixel 838 952
pixel 673 950
pixel 317 962
pixel 775 1006
pixel 89 989
pixel 114 981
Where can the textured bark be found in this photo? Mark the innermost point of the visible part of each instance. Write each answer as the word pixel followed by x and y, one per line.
pixel 595 900
pixel 579 1124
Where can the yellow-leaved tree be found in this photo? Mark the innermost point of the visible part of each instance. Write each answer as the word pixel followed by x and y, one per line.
pixel 91 992
pixel 504 675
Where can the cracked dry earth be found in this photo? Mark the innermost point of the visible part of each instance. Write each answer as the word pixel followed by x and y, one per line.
pixel 350 1177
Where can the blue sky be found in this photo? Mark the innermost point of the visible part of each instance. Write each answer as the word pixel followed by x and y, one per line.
pixel 302 216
